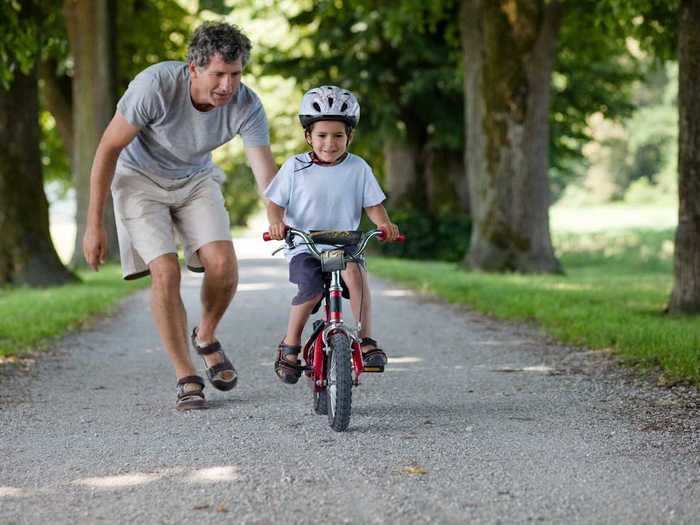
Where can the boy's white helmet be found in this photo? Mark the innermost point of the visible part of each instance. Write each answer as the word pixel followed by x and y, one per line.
pixel 329 103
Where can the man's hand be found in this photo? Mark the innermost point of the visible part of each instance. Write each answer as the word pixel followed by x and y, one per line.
pixel 95 246
pixel 277 230
pixel 391 231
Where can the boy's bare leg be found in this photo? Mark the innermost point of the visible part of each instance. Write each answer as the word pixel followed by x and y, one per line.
pixel 355 278
pixel 169 312
pixel 298 316
pixel 218 288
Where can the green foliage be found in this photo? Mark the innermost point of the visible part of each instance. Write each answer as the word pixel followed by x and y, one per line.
pixel 30 316
pixel 150 32
pixel 54 158
pixel 441 238
pixel 612 297
pixel 401 60
pixel 635 158
pixel 594 73
pixel 652 23
pixel 240 191
pixel 26 28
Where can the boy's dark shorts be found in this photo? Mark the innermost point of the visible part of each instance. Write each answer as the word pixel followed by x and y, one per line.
pixel 305 272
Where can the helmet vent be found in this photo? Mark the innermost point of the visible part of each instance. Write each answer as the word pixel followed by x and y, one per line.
pixel 344 107
pixel 316 106
pixel 330 101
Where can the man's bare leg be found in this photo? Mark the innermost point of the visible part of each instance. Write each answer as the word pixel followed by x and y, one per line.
pixel 218 288
pixel 169 312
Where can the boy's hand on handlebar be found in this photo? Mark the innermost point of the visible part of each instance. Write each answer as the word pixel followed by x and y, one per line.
pixel 277 231
pixel 391 231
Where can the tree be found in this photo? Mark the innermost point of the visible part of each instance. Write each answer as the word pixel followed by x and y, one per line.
pixel 685 297
pixel 27 254
pixel 509 50
pixel 91 36
pixel 402 62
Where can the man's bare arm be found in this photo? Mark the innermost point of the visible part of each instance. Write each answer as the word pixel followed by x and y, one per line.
pixel 262 164
pixel 115 138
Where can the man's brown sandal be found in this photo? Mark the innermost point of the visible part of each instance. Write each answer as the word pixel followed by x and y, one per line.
pixel 288 371
pixel 214 373
pixel 373 360
pixel 190 399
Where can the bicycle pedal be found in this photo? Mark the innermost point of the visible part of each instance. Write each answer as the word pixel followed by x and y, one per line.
pixel 373 369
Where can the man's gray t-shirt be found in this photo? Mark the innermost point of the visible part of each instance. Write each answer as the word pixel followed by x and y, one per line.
pixel 317 197
pixel 176 139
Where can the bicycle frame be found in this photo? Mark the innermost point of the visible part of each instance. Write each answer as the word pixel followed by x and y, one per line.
pixel 332 387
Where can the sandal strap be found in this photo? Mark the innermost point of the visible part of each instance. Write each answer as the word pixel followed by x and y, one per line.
pixel 197 380
pixel 206 349
pixel 374 351
pixel 289 349
pixel 291 366
pixel 224 366
pixel 368 341
pixel 185 396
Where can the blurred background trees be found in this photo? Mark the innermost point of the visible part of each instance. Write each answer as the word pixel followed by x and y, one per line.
pixel 477 116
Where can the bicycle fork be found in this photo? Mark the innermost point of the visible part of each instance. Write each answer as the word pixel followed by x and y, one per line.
pixel 334 323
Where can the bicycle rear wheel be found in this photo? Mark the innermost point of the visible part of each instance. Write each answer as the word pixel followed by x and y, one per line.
pixel 339 376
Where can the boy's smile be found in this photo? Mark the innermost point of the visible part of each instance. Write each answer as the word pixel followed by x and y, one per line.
pixel 329 140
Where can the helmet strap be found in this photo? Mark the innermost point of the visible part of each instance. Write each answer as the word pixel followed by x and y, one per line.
pixel 320 162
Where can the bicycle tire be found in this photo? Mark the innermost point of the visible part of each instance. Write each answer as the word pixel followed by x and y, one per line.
pixel 339 376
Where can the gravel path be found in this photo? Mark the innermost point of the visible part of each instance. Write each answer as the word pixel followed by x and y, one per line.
pixel 474 421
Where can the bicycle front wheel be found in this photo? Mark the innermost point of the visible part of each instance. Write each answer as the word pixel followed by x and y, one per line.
pixel 339 376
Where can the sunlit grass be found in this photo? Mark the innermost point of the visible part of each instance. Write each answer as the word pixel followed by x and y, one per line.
pixel 612 296
pixel 30 316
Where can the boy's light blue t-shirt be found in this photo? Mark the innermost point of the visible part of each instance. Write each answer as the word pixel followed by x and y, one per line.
pixel 317 197
pixel 176 139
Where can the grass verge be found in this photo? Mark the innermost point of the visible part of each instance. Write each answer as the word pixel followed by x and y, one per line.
pixel 29 316
pixel 612 296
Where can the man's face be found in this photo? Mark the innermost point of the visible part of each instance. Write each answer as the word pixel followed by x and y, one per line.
pixel 215 85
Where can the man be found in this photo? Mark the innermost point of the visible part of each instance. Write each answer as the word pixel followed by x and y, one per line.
pixel 156 155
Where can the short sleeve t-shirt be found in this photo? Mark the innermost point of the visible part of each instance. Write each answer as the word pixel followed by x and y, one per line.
pixel 317 197
pixel 176 139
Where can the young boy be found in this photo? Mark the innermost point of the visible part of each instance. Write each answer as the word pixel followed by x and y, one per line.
pixel 325 189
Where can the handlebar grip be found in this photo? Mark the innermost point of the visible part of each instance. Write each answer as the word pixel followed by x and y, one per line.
pixel 400 238
pixel 266 236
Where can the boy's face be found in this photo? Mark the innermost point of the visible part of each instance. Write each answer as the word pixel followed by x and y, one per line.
pixel 329 140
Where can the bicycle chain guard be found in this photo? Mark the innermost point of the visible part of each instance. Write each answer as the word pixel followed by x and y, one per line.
pixel 333 260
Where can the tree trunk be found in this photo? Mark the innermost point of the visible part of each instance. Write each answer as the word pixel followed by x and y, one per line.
pixel 509 49
pixel 447 186
pixel 90 37
pixel 685 297
pixel 27 254
pixel 400 169
pixel 59 101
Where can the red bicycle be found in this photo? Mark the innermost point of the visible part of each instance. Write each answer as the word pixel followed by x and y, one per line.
pixel 332 355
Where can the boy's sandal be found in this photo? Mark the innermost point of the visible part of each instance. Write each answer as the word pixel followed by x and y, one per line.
pixel 373 360
pixel 287 371
pixel 215 373
pixel 190 399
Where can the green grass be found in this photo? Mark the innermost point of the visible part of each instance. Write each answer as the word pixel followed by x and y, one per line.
pixel 28 317
pixel 612 296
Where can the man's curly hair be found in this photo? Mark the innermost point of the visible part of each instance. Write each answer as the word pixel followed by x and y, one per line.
pixel 213 38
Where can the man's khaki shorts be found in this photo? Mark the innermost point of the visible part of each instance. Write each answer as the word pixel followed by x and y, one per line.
pixel 151 211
